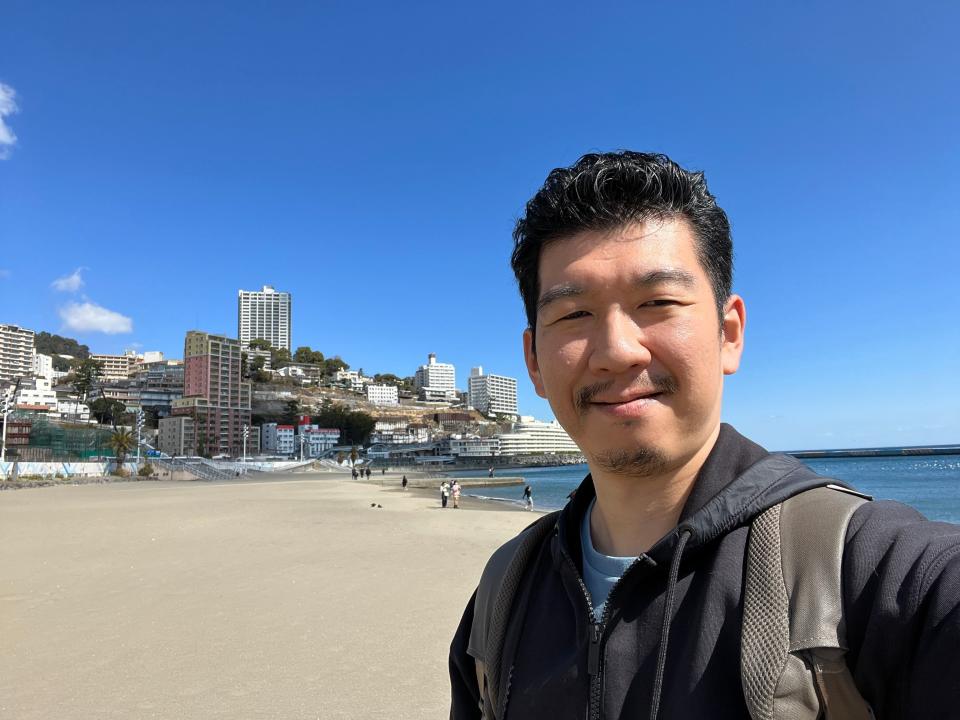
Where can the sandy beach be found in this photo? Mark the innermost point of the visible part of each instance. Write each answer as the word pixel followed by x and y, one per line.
pixel 276 597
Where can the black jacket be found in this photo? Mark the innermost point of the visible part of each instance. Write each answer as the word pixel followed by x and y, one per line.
pixel 901 587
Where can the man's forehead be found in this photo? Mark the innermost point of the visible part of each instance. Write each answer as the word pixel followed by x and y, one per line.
pixel 666 246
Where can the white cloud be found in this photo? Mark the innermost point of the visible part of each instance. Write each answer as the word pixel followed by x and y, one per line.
pixel 8 106
pixel 90 317
pixel 69 283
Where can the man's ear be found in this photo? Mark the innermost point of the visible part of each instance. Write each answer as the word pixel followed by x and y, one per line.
pixel 731 343
pixel 530 358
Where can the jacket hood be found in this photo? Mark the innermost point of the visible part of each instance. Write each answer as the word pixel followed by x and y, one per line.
pixel 738 481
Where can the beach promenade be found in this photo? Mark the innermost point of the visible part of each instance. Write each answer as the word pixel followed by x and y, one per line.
pixel 277 597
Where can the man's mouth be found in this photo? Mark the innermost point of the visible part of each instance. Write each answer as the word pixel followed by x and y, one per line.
pixel 601 396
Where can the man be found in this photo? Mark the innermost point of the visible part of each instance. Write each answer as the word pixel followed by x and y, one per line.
pixel 632 606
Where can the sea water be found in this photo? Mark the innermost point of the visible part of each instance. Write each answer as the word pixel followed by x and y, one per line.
pixel 930 483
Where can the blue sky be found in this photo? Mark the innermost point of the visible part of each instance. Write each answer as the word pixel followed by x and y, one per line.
pixel 372 159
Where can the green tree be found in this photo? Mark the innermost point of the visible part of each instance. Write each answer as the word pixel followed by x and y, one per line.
pixel 260 344
pixel 280 358
pixel 388 378
pixel 122 441
pixel 340 458
pixel 332 365
pixel 304 354
pixel 106 410
pixel 50 344
pixel 354 455
pixel 291 412
pixel 355 426
pixel 85 376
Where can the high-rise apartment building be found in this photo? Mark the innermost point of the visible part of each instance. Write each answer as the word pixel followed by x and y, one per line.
pixel 264 314
pixel 213 394
pixel 435 375
pixel 492 394
pixel 16 352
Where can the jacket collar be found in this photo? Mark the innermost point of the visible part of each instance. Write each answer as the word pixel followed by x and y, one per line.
pixel 725 495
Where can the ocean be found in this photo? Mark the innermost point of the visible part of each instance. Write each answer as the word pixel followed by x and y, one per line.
pixel 931 484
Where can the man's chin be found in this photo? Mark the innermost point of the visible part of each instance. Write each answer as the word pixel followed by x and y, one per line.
pixel 636 460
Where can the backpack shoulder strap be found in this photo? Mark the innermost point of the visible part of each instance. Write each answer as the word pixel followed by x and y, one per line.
pixel 493 603
pixel 793 638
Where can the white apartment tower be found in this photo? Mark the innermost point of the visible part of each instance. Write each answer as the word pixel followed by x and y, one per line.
pixel 492 394
pixel 264 314
pixel 436 376
pixel 16 352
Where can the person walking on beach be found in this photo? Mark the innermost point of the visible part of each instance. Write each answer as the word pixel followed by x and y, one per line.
pixel 692 574
pixel 455 491
pixel 368 473
pixel 528 497
pixel 444 493
pixel 403 483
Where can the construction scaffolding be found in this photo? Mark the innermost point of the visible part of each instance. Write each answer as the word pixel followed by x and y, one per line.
pixel 52 440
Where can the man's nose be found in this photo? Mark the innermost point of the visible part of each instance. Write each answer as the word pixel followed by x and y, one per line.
pixel 619 344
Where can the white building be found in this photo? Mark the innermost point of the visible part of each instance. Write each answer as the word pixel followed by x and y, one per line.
pixel 265 315
pixel 474 446
pixel 317 440
pixel 16 352
pixel 277 438
pixel 436 376
pixel 492 394
pixel 115 367
pixel 43 366
pixel 37 394
pixel 383 394
pixel 531 436
pixel 349 378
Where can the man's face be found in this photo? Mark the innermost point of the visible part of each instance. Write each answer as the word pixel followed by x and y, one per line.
pixel 630 351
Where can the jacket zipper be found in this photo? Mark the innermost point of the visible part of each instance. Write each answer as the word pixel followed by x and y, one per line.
pixel 594 660
pixel 594 664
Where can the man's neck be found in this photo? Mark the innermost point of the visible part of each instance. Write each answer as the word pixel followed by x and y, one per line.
pixel 633 512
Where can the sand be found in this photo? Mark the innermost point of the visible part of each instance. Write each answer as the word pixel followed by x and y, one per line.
pixel 279 597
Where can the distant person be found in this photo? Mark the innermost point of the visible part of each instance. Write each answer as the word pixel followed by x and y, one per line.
pixel 528 497
pixel 403 483
pixel 693 574
pixel 455 491
pixel 383 471
pixel 444 493
pixel 368 473
pixel 490 473
pixel 355 474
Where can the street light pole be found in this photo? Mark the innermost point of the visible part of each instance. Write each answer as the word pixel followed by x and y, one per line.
pixel 301 446
pixel 246 434
pixel 8 400
pixel 139 429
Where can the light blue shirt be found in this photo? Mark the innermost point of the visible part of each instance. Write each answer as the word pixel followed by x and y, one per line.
pixel 600 572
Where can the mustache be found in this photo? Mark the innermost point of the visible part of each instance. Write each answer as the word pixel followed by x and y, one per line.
pixel 585 395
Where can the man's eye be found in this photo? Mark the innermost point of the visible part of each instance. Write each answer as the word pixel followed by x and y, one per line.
pixel 575 314
pixel 659 303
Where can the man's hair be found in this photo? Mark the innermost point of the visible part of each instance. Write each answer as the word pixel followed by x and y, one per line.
pixel 605 191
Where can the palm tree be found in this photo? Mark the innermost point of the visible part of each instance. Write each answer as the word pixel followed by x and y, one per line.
pixel 122 441
pixel 354 455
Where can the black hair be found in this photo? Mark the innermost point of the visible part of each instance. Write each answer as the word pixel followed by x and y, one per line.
pixel 604 191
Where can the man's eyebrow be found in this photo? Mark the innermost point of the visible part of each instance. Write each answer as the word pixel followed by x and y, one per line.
pixel 558 292
pixel 665 276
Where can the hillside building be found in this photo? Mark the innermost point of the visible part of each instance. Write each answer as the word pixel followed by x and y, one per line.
pixel 16 352
pixel 492 394
pixel 265 315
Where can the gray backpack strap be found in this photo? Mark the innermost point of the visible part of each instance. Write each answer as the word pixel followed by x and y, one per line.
pixel 492 607
pixel 793 638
